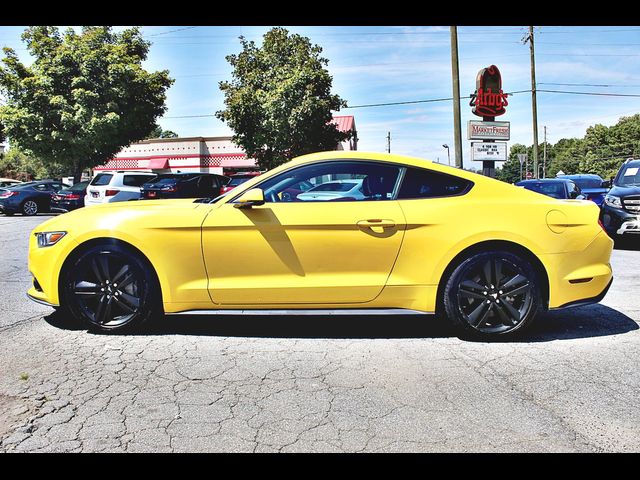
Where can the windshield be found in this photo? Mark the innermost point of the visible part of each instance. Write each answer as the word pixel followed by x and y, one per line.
pixel 170 179
pixel 587 182
pixel 630 175
pixel 235 181
pixel 102 179
pixel 78 187
pixel 555 190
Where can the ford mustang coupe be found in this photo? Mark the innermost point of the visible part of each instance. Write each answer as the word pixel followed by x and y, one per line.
pixel 423 237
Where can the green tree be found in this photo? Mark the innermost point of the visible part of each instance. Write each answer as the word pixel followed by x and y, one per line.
pixel 19 165
pixel 84 96
pixel 510 171
pixel 279 100
pixel 158 132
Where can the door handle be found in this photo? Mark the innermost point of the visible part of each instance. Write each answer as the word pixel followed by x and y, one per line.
pixel 376 224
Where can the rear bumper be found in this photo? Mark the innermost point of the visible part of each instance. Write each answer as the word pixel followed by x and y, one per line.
pixel 580 277
pixel 586 301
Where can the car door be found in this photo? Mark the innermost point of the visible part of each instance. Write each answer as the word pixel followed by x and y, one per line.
pixel 290 251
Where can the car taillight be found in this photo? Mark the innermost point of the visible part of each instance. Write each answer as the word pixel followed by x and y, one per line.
pixel 225 190
pixel 8 194
pixel 71 196
pixel 111 193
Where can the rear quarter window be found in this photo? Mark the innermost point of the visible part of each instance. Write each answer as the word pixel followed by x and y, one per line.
pixel 421 183
pixel 136 180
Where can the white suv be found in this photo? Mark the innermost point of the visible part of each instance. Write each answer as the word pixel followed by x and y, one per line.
pixel 116 187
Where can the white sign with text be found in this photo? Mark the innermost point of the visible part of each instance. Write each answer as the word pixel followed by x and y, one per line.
pixel 496 151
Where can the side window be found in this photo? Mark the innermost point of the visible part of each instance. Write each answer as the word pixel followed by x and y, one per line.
pixel 421 183
pixel 41 187
pixel 333 181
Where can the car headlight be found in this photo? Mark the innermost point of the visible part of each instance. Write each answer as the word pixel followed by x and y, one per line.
pixel 46 239
pixel 613 201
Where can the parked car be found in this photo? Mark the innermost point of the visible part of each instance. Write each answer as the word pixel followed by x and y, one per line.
pixel 620 212
pixel 108 187
pixel 8 182
pixel 238 179
pixel 29 198
pixel 425 237
pixel 184 185
pixel 592 186
pixel 554 187
pixel 70 198
pixel 334 190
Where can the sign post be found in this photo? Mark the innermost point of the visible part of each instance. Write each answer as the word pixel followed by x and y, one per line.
pixel 488 102
pixel 522 157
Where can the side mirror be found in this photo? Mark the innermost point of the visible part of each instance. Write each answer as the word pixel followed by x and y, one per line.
pixel 580 197
pixel 250 198
pixel 606 184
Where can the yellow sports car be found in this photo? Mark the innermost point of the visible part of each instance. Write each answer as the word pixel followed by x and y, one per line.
pixel 397 234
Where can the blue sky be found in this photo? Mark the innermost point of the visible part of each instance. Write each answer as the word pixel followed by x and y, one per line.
pixel 396 64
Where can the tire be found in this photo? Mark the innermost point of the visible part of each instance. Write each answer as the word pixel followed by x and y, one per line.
pixel 492 295
pixel 111 289
pixel 29 208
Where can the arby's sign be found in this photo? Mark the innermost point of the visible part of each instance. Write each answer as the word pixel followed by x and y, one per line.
pixel 488 100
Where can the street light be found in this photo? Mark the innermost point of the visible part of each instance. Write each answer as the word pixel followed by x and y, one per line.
pixel 448 156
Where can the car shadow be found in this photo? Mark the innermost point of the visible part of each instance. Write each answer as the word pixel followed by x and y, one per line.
pixel 580 322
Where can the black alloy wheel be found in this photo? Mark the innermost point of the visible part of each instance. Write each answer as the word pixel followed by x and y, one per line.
pixel 110 289
pixel 492 294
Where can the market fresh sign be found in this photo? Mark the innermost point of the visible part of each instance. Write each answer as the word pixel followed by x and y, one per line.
pixel 495 151
pixel 477 130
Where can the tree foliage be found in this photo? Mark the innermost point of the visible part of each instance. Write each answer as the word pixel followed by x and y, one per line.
pixel 84 97
pixel 158 132
pixel 21 166
pixel 601 151
pixel 279 100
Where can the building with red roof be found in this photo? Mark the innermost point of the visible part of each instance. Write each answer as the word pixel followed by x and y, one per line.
pixel 201 154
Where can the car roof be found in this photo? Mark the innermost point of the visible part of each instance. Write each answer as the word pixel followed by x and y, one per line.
pixel 544 180
pixel 581 175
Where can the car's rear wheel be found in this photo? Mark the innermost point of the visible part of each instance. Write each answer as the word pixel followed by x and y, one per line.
pixel 492 294
pixel 110 288
pixel 30 207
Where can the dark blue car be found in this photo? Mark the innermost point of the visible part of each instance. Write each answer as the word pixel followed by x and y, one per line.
pixel 70 198
pixel 562 188
pixel 29 198
pixel 593 187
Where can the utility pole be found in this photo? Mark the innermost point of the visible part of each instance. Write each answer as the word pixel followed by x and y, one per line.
pixel 388 142
pixel 455 75
pixel 544 161
pixel 534 108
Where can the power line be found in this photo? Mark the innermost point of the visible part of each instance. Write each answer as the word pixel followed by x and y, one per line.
pixel 588 84
pixel 591 93
pixel 170 31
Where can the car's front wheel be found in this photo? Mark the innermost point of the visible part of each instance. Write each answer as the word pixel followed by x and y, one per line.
pixel 492 294
pixel 110 288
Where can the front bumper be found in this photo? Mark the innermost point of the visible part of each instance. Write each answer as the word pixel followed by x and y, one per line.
pixel 617 221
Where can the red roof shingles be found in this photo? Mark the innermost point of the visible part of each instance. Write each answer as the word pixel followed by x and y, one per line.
pixel 345 123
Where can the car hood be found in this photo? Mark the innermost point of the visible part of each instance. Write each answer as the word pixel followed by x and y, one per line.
pixel 620 191
pixel 110 214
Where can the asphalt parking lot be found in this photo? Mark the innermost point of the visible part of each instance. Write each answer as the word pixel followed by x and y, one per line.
pixel 328 384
